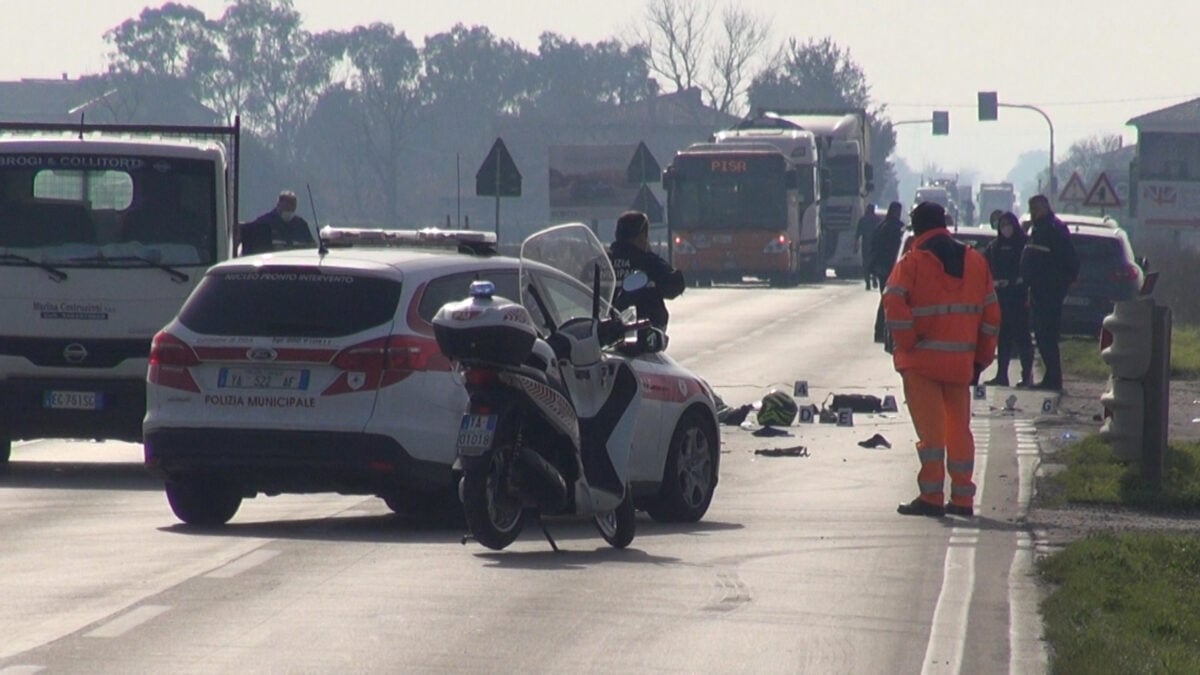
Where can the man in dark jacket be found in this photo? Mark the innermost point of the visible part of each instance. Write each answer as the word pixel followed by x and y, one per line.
pixel 1049 265
pixel 277 229
pixel 885 247
pixel 630 252
pixel 1004 258
pixel 862 244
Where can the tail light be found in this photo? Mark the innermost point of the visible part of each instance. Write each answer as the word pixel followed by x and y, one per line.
pixel 170 359
pixel 479 377
pixel 1124 273
pixel 1106 338
pixel 384 361
pixel 777 245
pixel 367 356
pixel 684 246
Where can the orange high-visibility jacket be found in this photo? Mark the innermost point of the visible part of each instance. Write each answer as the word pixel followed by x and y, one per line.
pixel 941 324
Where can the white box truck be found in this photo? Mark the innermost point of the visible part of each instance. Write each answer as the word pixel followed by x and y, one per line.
pixel 104 231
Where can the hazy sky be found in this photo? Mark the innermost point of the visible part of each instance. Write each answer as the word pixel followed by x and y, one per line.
pixel 1089 65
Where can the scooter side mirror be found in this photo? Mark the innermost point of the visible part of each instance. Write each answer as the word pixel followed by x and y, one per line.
pixel 652 340
pixel 635 281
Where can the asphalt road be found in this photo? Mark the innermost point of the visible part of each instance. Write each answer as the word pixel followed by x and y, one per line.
pixel 801 565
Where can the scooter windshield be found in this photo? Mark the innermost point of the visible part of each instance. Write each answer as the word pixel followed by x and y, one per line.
pixel 574 250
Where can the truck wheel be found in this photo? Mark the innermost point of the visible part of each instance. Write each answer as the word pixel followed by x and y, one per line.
pixel 203 501
pixel 690 476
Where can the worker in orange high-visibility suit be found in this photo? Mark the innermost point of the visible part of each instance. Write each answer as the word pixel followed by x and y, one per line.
pixel 940 306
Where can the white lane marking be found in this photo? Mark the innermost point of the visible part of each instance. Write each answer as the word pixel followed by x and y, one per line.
pixel 1026 649
pixel 251 559
pixel 947 637
pixel 127 622
pixel 21 670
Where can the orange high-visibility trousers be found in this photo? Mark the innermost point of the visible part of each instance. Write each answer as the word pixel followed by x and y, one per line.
pixel 941 414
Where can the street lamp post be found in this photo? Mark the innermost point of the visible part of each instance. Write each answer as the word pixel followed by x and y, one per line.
pixel 1053 180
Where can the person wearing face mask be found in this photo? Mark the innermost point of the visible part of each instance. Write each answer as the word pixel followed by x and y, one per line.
pixel 277 229
pixel 1004 257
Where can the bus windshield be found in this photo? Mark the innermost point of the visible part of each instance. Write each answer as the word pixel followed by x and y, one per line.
pixel 729 192
pixel 72 210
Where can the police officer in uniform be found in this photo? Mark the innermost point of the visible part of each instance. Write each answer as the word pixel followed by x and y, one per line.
pixel 631 252
pixel 1049 265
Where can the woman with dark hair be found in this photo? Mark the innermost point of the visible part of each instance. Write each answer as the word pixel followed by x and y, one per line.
pixel 1004 258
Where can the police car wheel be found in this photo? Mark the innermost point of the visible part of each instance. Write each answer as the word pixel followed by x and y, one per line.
pixel 690 475
pixel 203 501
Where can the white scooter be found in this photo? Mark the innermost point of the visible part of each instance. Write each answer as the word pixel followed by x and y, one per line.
pixel 553 402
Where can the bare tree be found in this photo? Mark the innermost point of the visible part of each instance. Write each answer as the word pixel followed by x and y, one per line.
pixel 676 39
pixel 1089 156
pixel 742 37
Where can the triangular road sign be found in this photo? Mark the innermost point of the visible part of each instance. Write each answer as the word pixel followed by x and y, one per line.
pixel 643 168
pixel 1074 191
pixel 1102 194
pixel 498 175
pixel 647 203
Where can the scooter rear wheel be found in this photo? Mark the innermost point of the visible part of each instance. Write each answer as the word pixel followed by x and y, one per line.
pixel 494 518
pixel 619 525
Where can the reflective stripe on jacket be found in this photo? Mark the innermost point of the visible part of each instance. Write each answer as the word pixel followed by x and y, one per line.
pixel 941 324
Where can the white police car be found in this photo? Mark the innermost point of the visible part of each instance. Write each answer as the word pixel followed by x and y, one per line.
pixel 317 371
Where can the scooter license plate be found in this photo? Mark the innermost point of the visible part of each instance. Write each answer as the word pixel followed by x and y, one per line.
pixel 476 433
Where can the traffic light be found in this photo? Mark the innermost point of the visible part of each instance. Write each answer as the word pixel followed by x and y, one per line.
pixel 988 106
pixel 941 123
pixel 1126 343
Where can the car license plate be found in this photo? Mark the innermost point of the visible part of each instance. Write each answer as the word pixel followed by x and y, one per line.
pixel 72 400
pixel 263 378
pixel 476 433
pixel 1075 301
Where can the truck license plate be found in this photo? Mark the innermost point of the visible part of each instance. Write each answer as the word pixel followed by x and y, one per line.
pixel 72 400
pixel 476 433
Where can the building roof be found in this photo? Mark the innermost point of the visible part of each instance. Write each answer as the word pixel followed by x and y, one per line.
pixel 1180 118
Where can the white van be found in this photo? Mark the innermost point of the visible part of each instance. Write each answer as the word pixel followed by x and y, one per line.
pixel 104 231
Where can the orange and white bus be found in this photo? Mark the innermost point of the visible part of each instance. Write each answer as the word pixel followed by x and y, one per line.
pixel 745 206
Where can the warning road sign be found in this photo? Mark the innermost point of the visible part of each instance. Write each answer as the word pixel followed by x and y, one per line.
pixel 498 175
pixel 1074 192
pixel 1102 194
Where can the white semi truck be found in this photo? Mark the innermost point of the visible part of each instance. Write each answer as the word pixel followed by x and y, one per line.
pixel 844 147
pixel 104 231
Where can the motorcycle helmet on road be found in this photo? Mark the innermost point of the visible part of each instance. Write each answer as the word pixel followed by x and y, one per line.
pixel 778 410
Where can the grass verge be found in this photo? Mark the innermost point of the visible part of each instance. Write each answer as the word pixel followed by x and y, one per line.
pixel 1081 356
pixel 1124 603
pixel 1094 475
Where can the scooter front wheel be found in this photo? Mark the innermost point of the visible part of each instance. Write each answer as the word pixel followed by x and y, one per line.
pixel 619 525
pixel 493 516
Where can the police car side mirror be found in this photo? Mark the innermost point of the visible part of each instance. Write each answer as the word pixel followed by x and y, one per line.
pixel 635 281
